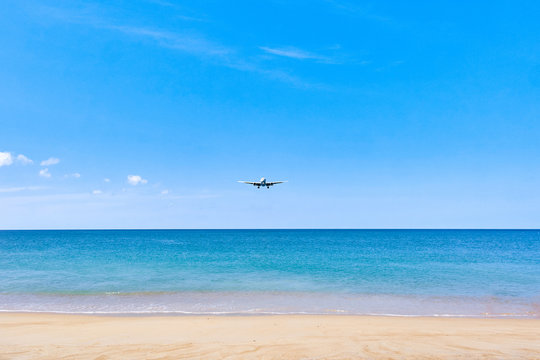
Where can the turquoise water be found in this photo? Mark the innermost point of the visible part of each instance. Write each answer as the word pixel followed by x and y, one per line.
pixel 400 272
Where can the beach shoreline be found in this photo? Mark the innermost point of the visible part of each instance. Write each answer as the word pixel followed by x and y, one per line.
pixel 70 336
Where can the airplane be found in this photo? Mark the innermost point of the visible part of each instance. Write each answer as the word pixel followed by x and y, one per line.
pixel 262 183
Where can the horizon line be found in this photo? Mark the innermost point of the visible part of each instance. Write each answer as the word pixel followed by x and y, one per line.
pixel 277 229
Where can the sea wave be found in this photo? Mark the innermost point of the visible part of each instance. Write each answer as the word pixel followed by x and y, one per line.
pixel 269 303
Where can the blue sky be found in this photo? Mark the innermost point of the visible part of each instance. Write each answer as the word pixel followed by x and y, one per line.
pixel 382 114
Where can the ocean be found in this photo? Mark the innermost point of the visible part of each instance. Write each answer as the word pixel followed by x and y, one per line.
pixel 473 273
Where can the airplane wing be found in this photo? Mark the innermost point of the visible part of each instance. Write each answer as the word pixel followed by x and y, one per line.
pixel 275 182
pixel 250 183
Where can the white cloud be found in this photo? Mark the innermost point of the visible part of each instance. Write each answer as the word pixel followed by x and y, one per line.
pixel 74 175
pixel 50 161
pixel 136 180
pixel 23 159
pixel 164 192
pixel 97 192
pixel 107 180
pixel 5 159
pixel 44 173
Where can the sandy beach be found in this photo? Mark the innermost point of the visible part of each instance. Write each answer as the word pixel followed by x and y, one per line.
pixel 52 336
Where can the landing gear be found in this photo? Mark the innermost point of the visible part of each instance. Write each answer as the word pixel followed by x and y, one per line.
pixel 258 187
pixel 268 187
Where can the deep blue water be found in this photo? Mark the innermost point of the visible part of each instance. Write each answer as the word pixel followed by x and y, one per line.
pixel 407 272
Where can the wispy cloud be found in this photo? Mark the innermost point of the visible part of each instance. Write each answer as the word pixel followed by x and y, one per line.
pixel 178 9
pixel 45 173
pixel 24 160
pixel 295 53
pixel 211 51
pixel 188 42
pixel 107 198
pixel 50 161
pixel 20 188
pixel 74 175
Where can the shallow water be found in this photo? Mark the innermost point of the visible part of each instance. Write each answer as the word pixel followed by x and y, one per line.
pixel 399 272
